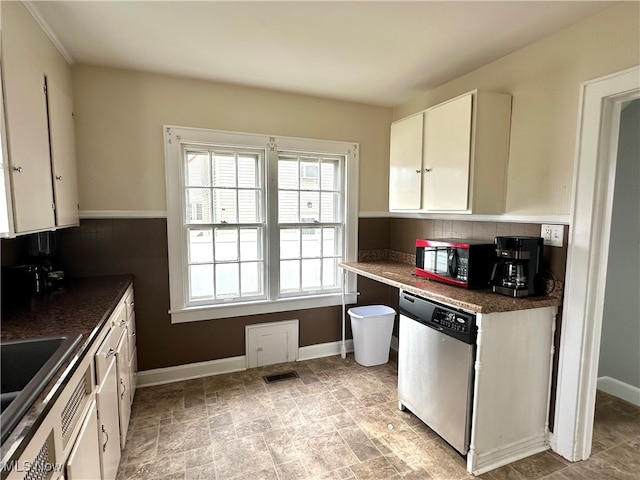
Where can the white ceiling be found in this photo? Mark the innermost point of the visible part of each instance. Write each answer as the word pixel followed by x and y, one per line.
pixel 376 52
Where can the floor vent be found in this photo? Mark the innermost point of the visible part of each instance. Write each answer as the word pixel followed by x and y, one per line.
pixel 280 376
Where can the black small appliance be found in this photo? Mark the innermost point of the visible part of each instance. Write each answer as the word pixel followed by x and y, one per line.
pixel 517 271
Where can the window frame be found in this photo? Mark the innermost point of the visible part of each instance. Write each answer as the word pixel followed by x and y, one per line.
pixel 174 139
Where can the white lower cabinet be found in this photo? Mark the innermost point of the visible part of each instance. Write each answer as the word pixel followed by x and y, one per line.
pixel 81 436
pixel 108 422
pixel 84 460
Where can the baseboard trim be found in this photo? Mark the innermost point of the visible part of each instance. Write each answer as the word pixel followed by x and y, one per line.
pixel 323 350
pixel 619 389
pixel 159 376
pixel 479 464
pixel 189 371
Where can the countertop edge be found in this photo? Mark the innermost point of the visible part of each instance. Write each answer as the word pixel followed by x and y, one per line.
pixel 398 275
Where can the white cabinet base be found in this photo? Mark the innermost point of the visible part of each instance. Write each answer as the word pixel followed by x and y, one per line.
pixel 512 387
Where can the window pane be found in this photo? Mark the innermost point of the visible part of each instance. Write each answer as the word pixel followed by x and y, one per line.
pixel 288 207
pixel 198 169
pixel 309 174
pixel 309 207
pixel 330 242
pixel 200 246
pixel 248 203
pixel 198 205
pixel 311 274
pixel 224 170
pixel 200 281
pixel 226 244
pixel 287 173
pixel 311 242
pixel 225 208
pixel 330 207
pixel 290 275
pixel 330 175
pixel 251 274
pixel 330 273
pixel 248 172
pixel 227 280
pixel 250 244
pixel 290 243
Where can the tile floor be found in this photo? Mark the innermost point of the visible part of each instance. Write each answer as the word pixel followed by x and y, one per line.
pixel 338 420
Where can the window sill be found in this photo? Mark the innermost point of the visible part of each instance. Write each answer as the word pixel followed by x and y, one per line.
pixel 195 314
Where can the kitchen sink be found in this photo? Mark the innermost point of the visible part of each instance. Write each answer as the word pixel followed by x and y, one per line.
pixel 27 365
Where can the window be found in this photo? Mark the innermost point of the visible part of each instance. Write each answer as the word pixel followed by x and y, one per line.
pixel 256 223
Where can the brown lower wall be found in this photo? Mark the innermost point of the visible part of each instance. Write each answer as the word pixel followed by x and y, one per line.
pixel 139 247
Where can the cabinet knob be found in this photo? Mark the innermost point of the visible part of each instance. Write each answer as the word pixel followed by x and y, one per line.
pixel 58 177
pixel 109 353
pixel 427 170
pixel 17 169
pixel 123 322
pixel 417 171
pixel 131 304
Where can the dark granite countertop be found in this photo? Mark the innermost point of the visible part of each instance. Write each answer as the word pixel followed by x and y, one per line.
pixel 82 306
pixel 401 275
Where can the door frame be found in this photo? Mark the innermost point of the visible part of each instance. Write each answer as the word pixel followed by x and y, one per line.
pixel 590 219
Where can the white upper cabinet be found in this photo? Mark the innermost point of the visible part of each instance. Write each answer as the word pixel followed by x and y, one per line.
pixel 459 156
pixel 447 147
pixel 63 156
pixel 28 141
pixel 406 163
pixel 42 191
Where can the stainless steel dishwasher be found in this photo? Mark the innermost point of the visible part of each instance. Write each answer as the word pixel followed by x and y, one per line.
pixel 435 366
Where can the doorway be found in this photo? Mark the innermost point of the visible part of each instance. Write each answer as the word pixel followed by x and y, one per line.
pixel 619 361
pixel 591 215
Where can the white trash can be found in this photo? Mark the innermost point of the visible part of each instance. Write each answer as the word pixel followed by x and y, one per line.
pixel 372 327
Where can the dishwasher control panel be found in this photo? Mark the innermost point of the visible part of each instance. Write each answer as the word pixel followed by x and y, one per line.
pixel 451 320
pixel 447 319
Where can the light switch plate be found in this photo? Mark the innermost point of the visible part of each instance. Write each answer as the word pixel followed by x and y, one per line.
pixel 552 235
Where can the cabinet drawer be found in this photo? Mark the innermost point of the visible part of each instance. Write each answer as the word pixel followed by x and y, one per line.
pixel 129 302
pixel 131 332
pixel 107 349
pixel 119 319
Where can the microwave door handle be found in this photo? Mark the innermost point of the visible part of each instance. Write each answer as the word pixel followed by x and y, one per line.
pixel 453 263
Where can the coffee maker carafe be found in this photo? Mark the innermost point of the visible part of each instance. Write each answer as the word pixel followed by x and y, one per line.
pixel 517 271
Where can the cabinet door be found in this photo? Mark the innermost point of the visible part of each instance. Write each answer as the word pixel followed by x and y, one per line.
pixel 108 423
pixel 28 141
pixel 124 387
pixel 447 154
pixel 84 460
pixel 63 156
pixel 133 372
pixel 405 163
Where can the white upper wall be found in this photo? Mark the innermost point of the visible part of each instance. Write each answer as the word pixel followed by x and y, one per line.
pixel 120 114
pixel 544 79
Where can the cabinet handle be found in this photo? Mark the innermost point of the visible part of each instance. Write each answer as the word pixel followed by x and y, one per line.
pixel 104 446
pixel 17 169
pixel 124 389
pixel 133 334
pixel 131 304
pixel 427 170
pixel 110 352
pixel 417 171
pixel 123 322
pixel 58 177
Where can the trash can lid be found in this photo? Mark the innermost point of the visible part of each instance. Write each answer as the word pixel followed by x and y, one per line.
pixel 371 311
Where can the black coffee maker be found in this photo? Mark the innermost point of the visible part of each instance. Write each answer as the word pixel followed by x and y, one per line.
pixel 517 271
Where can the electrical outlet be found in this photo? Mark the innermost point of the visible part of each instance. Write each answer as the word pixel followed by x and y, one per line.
pixel 552 235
